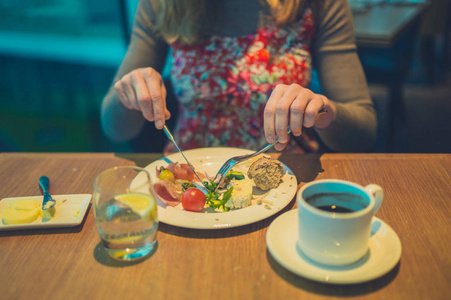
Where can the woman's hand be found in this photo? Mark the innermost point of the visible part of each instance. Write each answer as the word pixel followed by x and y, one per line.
pixel 143 89
pixel 297 107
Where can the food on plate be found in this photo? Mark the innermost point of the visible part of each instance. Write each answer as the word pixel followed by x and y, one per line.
pixel 21 212
pixel 174 180
pixel 166 174
pixel 236 191
pixel 213 196
pixel 241 194
pixel 180 171
pixel 266 173
pixel 229 176
pixel 169 192
pixel 193 199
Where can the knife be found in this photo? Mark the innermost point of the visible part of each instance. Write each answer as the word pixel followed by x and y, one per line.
pixel 48 201
pixel 169 135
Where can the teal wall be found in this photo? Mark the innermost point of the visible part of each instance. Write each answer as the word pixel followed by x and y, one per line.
pixel 57 60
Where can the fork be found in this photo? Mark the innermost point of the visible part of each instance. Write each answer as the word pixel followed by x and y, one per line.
pixel 231 162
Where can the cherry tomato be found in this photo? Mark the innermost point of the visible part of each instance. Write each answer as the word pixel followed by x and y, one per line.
pixel 193 199
pixel 167 174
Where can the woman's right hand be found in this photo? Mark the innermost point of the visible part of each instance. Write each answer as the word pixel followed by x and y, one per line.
pixel 143 89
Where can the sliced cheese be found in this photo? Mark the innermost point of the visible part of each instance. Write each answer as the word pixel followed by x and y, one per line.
pixel 241 194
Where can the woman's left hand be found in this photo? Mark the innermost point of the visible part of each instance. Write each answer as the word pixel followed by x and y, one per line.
pixel 297 107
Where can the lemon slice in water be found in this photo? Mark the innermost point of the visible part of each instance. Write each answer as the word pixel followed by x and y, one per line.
pixel 142 204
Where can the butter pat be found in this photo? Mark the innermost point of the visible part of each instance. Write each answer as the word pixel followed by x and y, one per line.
pixel 25 211
pixel 48 213
pixel 20 212
pixel 25 204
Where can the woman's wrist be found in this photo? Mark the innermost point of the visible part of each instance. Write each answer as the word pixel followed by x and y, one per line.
pixel 118 122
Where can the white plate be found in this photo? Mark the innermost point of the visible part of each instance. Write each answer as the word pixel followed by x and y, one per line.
pixel 209 160
pixel 70 210
pixel 384 253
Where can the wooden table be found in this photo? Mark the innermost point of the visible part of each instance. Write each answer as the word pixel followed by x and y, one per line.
pixel 385 36
pixel 70 263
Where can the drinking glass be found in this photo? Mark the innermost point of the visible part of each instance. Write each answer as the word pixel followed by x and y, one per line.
pixel 125 211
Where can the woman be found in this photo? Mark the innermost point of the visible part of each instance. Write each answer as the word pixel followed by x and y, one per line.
pixel 241 72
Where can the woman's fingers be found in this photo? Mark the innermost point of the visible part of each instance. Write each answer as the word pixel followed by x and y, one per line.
pixel 282 113
pixel 143 100
pixel 121 96
pixel 158 96
pixel 125 93
pixel 144 90
pixel 292 106
pixel 269 117
pixel 312 109
pixel 297 111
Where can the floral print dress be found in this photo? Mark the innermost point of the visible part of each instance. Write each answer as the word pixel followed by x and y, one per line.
pixel 222 85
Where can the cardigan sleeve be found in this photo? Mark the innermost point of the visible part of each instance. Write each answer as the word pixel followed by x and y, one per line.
pixel 343 81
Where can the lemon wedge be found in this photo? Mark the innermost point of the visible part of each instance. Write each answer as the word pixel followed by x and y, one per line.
pixel 142 204
pixel 19 216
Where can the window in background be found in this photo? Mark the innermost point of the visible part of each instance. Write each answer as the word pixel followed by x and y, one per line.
pixel 58 58
pixel 99 18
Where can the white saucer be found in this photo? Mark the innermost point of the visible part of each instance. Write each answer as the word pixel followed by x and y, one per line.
pixel 384 253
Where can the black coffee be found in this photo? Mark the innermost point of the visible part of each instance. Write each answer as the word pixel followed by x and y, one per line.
pixel 335 208
pixel 337 202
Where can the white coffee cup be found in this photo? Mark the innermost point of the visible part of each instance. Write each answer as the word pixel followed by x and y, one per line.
pixel 331 237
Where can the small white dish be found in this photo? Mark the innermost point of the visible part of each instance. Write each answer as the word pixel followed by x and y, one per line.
pixel 383 255
pixel 70 211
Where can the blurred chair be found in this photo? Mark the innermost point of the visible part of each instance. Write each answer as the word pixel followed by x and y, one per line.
pixel 386 35
pixel 436 23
